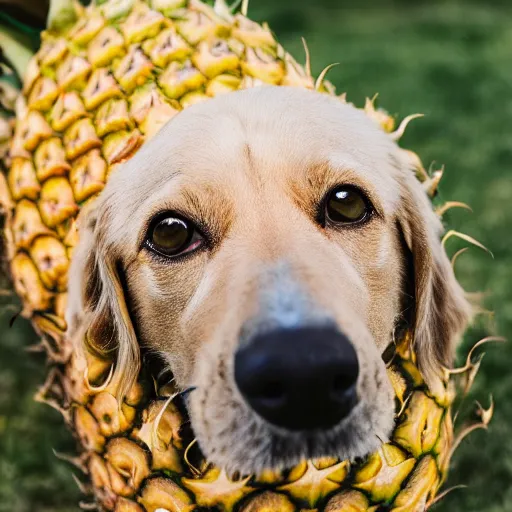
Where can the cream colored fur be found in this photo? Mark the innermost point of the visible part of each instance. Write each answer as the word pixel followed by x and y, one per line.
pixel 252 167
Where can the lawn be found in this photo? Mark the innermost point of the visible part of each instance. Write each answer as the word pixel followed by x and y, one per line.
pixel 449 60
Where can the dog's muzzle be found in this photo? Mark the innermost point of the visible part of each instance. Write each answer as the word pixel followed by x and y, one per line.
pixel 299 378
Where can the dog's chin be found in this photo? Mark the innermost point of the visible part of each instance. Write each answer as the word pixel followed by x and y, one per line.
pixel 254 446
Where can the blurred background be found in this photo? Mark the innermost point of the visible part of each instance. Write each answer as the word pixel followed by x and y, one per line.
pixel 450 60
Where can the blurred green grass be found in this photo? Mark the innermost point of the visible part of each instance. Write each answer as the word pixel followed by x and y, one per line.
pixel 449 60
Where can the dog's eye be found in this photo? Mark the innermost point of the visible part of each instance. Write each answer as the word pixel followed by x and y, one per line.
pixel 347 204
pixel 172 236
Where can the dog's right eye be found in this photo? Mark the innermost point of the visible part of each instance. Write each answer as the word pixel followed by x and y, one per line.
pixel 172 236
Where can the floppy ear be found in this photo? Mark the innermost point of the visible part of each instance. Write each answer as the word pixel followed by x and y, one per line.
pixel 441 311
pixel 97 314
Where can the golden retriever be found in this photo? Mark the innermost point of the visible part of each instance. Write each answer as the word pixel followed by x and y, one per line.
pixel 268 244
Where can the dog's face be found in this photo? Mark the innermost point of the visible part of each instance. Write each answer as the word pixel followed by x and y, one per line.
pixel 267 244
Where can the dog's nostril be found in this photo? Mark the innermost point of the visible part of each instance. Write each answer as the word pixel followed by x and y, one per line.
pixel 273 393
pixel 342 384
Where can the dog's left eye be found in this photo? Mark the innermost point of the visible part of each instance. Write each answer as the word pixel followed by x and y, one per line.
pixel 172 236
pixel 347 204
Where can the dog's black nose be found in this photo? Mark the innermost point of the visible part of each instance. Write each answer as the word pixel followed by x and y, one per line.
pixel 299 379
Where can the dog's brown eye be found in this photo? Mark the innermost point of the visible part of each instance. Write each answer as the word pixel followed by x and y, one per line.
pixel 347 204
pixel 171 236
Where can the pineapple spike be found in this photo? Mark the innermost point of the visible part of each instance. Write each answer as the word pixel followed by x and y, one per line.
pixel 53 355
pixel 321 77
pixel 102 387
pixel 62 14
pixel 468 375
pixel 84 488
pixel 15 316
pixel 245 7
pixel 36 348
pixel 54 404
pixel 88 506
pixel 470 369
pixel 483 312
pixel 11 308
pixel 77 461
pixel 431 168
pixel 485 415
pixel 469 363
pixel 456 256
pixel 194 470
pixel 445 493
pixel 431 184
pixel 53 375
pixel 452 204
pixel 156 424
pixel 307 65
pixel 404 405
pixel 369 104
pixel 478 296
pixel 452 232
pixel 398 133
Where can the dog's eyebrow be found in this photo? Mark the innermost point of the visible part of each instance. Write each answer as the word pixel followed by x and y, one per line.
pixel 318 179
pixel 211 211
pixel 167 178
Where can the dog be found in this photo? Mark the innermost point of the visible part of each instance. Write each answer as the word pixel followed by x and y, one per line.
pixel 268 244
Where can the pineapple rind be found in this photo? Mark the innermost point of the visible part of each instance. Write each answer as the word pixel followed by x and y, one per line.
pixel 93 94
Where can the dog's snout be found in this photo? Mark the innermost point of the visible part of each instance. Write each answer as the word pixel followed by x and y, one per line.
pixel 299 379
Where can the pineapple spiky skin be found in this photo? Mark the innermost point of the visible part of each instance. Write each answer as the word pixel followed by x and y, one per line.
pixel 91 96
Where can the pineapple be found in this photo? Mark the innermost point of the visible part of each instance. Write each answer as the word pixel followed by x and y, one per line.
pixel 104 81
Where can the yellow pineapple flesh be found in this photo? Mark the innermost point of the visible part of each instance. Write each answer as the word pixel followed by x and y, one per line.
pixel 92 95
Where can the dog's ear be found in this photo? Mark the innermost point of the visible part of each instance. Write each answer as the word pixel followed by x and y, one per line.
pixel 97 314
pixel 441 311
